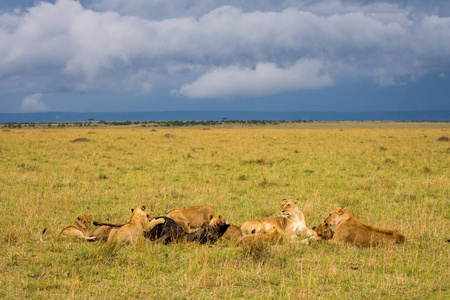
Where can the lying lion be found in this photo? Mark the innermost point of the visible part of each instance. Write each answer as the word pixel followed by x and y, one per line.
pixel 103 230
pixel 134 229
pixel 351 231
pixel 272 236
pixel 291 223
pixel 323 232
pixel 233 232
pixel 192 217
pixel 77 229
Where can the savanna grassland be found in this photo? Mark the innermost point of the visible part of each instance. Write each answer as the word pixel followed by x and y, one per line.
pixel 389 175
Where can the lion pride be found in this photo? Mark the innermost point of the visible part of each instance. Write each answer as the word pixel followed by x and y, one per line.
pixel 350 231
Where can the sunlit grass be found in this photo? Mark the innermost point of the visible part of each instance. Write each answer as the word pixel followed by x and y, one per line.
pixel 386 177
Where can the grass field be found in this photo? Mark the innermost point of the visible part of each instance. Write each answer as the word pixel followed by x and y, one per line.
pixel 387 175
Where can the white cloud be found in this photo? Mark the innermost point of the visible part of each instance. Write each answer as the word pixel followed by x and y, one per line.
pixel 33 103
pixel 264 79
pixel 185 45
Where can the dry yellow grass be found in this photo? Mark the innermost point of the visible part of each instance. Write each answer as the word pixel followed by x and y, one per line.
pixel 387 177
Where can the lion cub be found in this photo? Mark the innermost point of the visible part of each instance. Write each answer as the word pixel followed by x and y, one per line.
pixel 134 229
pixel 78 229
pixel 350 231
pixel 323 232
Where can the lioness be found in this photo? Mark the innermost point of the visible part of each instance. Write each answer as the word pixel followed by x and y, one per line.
pixel 103 230
pixel 351 231
pixel 272 235
pixel 78 229
pixel 291 223
pixel 192 217
pixel 134 229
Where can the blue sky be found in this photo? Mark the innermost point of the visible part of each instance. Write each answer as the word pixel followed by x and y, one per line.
pixel 292 55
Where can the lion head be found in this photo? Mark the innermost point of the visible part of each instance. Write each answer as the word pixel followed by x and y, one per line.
pixel 336 216
pixel 139 213
pixel 288 207
pixel 215 219
pixel 323 231
pixel 85 221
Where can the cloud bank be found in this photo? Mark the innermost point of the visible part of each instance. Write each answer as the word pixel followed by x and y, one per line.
pixel 264 79
pixel 33 103
pixel 209 50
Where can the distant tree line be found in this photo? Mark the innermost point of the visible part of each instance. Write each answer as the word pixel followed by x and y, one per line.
pixel 146 123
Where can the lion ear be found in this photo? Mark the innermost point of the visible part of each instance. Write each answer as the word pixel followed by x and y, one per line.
pixel 132 210
pixel 143 207
pixel 78 218
pixel 296 201
pixel 91 217
pixel 313 228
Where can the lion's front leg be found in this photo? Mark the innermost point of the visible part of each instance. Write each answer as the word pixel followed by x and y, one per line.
pixel 153 223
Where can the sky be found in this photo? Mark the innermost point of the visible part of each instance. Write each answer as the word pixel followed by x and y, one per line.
pixel 259 55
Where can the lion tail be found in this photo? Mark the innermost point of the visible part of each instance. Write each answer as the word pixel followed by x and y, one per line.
pixel 108 224
pixel 400 238
pixel 41 238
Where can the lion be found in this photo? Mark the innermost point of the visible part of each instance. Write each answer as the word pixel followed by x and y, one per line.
pixel 101 233
pixel 233 233
pixel 214 219
pixel 192 218
pixel 323 232
pixel 350 231
pixel 291 223
pixel 273 236
pixel 78 229
pixel 103 230
pixel 134 229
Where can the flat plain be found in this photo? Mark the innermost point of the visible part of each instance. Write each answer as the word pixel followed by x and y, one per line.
pixel 391 175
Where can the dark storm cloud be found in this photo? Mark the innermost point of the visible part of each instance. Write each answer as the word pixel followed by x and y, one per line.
pixel 210 50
